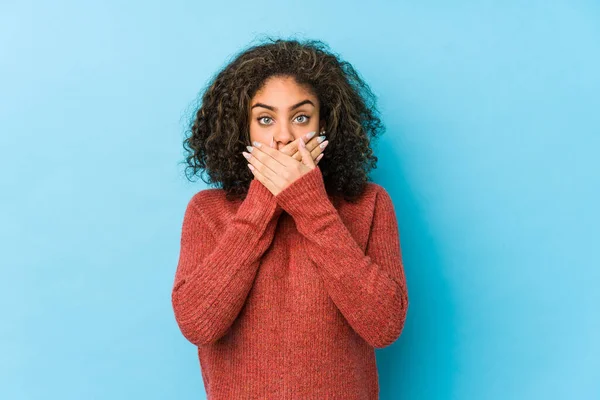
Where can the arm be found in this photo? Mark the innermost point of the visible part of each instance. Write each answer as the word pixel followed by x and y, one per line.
pixel 216 270
pixel 369 287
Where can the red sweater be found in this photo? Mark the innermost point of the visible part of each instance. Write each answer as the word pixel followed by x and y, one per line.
pixel 287 296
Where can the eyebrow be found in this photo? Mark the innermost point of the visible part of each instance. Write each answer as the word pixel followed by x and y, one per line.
pixel 291 108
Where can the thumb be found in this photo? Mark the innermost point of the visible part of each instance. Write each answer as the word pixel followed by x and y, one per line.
pixel 306 157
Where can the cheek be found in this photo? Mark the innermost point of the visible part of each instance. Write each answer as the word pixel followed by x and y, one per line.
pixel 254 131
pixel 261 135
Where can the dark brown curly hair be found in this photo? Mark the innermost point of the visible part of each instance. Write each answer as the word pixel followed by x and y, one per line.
pixel 220 129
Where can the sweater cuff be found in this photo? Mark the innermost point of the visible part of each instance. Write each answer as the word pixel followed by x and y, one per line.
pixel 260 205
pixel 301 196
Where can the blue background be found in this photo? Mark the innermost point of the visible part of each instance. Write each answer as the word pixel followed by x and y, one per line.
pixel 491 158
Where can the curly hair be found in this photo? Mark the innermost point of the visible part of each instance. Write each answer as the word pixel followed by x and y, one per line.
pixel 220 129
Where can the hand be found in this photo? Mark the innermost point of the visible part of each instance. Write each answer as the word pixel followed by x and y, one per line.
pixel 316 151
pixel 275 169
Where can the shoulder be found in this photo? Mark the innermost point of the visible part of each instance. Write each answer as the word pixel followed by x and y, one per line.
pixel 372 194
pixel 376 188
pixel 211 207
pixel 363 207
pixel 382 206
pixel 374 199
pixel 207 199
pixel 359 215
pixel 382 197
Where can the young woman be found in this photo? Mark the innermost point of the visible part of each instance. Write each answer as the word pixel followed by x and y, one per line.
pixel 290 274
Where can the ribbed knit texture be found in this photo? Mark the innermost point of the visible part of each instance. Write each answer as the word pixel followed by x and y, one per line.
pixel 287 296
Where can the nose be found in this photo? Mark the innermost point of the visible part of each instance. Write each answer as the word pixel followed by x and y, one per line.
pixel 283 136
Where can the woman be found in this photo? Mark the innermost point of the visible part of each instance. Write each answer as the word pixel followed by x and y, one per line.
pixel 290 274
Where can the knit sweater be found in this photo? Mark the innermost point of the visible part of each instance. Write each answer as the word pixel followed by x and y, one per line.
pixel 287 296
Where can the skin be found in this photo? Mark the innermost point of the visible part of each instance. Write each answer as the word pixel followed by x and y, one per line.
pixel 282 150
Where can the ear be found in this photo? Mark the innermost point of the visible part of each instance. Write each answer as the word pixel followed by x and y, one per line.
pixel 321 127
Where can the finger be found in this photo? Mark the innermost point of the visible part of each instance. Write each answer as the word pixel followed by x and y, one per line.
pixel 309 139
pixel 268 169
pixel 270 156
pixel 298 156
pixel 309 136
pixel 316 150
pixel 314 142
pixel 291 148
pixel 319 158
pixel 263 179
pixel 287 149
pixel 306 157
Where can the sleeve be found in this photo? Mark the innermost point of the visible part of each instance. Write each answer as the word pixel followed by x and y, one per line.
pixel 368 287
pixel 216 270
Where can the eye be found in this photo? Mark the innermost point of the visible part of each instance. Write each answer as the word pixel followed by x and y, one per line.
pixel 259 119
pixel 305 116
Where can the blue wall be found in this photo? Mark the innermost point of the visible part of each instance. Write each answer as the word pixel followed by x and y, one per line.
pixel 491 158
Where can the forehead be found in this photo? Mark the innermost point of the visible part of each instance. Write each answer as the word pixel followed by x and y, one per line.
pixel 279 90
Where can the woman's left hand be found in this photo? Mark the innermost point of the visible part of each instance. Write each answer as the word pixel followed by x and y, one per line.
pixel 275 169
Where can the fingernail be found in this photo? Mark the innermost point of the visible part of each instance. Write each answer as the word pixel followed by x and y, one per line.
pixel 249 148
pixel 320 139
pixel 310 135
pixel 257 144
pixel 248 156
pixel 324 144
